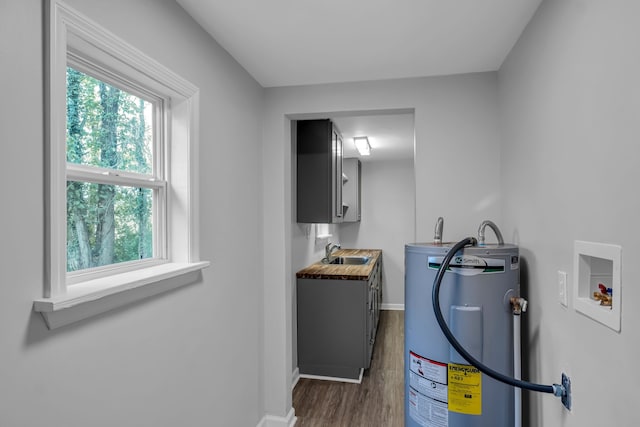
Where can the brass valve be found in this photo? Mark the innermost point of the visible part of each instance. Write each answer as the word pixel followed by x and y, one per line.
pixel 518 305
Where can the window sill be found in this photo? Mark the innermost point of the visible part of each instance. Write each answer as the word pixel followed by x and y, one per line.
pixel 90 298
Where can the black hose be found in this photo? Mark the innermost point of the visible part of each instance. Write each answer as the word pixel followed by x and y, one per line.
pixel 435 297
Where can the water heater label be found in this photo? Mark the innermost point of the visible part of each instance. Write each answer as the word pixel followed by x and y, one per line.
pixel 469 265
pixel 429 369
pixel 428 391
pixel 465 389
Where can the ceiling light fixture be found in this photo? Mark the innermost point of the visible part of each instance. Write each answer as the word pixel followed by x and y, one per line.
pixel 362 145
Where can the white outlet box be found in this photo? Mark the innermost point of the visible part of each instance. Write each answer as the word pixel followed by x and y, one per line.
pixel 597 264
pixel 563 298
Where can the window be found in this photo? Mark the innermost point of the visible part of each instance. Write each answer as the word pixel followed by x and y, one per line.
pixel 121 150
pixel 115 186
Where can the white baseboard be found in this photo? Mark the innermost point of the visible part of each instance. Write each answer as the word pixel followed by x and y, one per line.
pixel 343 380
pixel 384 306
pixel 275 421
pixel 295 377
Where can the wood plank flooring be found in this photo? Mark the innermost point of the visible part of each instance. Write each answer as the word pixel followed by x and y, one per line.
pixel 377 402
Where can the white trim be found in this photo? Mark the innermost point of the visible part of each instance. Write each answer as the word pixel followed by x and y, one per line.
pixel 89 274
pixel 100 175
pixel 55 131
pixel 295 377
pixel 99 288
pixel 71 32
pixel 339 379
pixel 275 421
pixel 100 295
pixel 84 31
pixel 388 306
pixel 582 275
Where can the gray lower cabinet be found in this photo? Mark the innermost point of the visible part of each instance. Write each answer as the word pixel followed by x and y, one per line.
pixel 337 324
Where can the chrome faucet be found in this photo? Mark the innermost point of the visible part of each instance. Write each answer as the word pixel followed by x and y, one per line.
pixel 495 230
pixel 328 250
pixel 437 238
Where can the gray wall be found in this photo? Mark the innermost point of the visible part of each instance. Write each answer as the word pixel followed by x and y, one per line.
pixel 457 176
pixel 547 148
pixel 388 221
pixel 570 105
pixel 187 358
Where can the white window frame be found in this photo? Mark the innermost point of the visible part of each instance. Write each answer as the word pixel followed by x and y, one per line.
pixel 154 181
pixel 71 297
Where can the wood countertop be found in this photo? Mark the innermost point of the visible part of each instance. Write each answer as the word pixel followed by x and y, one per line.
pixel 320 270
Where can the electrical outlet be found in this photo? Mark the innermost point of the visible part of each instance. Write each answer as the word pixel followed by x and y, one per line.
pixel 562 288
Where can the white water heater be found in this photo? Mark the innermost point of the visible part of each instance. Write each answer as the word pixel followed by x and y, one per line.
pixel 441 388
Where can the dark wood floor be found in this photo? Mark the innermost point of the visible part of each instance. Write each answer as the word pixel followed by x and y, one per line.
pixel 377 402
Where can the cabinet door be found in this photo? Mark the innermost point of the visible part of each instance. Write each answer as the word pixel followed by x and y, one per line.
pixel 331 325
pixel 351 190
pixel 378 287
pixel 371 322
pixel 318 172
pixel 374 301
pixel 336 144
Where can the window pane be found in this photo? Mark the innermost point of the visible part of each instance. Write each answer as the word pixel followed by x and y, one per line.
pixel 107 126
pixel 107 224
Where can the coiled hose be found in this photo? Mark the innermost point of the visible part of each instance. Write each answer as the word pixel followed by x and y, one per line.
pixel 554 389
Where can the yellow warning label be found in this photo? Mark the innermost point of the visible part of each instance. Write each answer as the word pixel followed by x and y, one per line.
pixel 465 389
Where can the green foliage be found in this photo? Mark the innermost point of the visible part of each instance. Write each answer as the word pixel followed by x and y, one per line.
pixel 88 123
pixel 106 127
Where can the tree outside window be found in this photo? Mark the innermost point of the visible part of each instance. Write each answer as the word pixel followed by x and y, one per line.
pixel 109 136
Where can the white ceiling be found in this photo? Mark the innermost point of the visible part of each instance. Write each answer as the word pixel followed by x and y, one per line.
pixel 304 42
pixel 300 42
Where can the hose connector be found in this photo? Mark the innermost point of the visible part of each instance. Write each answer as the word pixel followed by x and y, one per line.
pixel 495 229
pixel 518 305
pixel 563 391
pixel 437 235
pixel 559 390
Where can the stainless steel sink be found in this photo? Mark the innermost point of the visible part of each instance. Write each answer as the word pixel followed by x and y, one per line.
pixel 351 260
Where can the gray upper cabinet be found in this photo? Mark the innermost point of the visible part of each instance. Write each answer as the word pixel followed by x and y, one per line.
pixel 319 172
pixel 351 191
